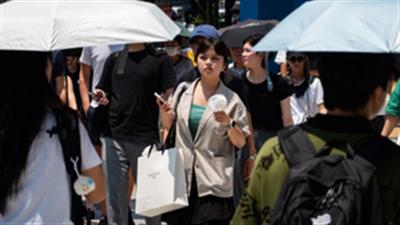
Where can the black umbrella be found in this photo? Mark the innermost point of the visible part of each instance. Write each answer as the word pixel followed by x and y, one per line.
pixel 234 35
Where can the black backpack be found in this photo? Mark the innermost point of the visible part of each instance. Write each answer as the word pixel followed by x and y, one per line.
pixel 68 132
pixel 324 189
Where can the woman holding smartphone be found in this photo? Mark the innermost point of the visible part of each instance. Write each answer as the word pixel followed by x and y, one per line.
pixel 206 139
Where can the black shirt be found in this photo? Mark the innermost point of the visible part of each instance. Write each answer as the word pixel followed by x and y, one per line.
pixel 133 110
pixel 264 105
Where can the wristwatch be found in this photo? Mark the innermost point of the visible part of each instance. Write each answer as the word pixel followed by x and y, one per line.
pixel 253 157
pixel 232 124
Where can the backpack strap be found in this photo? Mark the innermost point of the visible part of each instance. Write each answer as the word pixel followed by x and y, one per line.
pixel 122 57
pixel 296 145
pixel 68 132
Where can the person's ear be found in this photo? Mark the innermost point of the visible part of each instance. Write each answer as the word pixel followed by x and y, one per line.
pixel 376 94
pixel 225 65
pixel 378 98
pixel 261 54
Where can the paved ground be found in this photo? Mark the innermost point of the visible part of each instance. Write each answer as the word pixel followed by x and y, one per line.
pixel 139 220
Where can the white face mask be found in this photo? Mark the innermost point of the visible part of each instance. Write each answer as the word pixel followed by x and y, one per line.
pixel 171 51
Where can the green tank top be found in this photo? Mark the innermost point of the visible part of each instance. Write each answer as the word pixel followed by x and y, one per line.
pixel 196 111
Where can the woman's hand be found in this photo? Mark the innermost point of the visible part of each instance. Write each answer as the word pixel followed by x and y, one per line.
pixel 164 106
pixel 235 133
pixel 222 118
pixel 100 97
pixel 167 115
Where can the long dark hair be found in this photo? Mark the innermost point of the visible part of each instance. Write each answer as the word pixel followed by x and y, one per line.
pixel 25 97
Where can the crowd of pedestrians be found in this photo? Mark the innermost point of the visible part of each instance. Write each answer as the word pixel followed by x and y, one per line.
pixel 236 162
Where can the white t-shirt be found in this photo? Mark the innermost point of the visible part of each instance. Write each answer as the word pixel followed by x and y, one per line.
pixel 280 57
pixel 96 57
pixel 307 105
pixel 44 197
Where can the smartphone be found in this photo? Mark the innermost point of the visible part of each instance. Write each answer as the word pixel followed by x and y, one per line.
pixel 159 97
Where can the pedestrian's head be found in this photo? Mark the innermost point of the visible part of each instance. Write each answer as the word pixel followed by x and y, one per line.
pixel 165 6
pixel 201 33
pixel 236 55
pixel 355 82
pixel 298 63
pixel 252 59
pixel 212 57
pixel 72 59
pixel 173 48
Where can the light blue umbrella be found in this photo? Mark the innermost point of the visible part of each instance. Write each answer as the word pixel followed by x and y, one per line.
pixel 338 26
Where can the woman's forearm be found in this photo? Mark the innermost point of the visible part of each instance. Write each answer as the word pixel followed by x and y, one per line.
pixel 390 123
pixel 286 112
pixel 236 136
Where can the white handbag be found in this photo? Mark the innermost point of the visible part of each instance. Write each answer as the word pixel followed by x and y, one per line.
pixel 161 184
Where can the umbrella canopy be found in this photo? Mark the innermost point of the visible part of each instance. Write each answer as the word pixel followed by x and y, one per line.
pixel 338 26
pixel 184 31
pixel 234 35
pixel 38 25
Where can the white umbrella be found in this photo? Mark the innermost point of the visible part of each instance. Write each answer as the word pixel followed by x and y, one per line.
pixel 338 26
pixel 40 25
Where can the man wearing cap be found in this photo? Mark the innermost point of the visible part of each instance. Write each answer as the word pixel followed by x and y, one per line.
pixel 199 34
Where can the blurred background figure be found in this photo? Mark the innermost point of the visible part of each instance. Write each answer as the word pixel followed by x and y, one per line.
pixel 268 95
pixel 308 97
pixel 69 89
pixel 237 60
pixel 199 34
pixel 181 63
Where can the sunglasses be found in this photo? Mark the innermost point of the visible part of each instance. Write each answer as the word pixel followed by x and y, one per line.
pixel 296 58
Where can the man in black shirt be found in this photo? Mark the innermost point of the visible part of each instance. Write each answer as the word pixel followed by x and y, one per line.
pixel 129 79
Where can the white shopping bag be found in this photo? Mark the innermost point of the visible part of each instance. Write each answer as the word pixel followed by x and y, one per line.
pixel 161 184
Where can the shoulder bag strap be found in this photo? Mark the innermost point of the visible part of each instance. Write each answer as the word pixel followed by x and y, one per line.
pixel 296 145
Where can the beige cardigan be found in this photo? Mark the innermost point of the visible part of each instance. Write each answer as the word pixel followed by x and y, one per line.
pixel 210 153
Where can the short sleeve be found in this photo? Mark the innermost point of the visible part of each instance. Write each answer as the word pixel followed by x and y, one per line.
pixel 86 57
pixel 240 116
pixel 280 57
pixel 283 88
pixel 393 107
pixel 167 73
pixel 238 85
pixel 105 79
pixel 90 157
pixel 319 92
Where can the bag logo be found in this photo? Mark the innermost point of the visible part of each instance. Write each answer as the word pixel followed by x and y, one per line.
pixel 322 220
pixel 154 175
